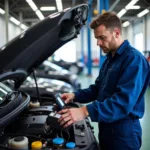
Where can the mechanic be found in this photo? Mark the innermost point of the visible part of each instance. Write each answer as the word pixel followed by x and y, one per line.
pixel 117 97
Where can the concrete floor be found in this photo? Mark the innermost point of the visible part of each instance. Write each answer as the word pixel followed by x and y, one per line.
pixel 145 121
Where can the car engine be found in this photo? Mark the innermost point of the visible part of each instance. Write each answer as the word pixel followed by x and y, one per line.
pixel 36 127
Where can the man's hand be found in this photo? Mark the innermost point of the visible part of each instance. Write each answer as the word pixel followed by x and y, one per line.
pixel 68 97
pixel 69 116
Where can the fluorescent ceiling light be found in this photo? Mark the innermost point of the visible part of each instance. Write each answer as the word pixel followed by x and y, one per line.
pixel 125 24
pixel 133 2
pixel 14 20
pixel 39 14
pixel 59 5
pixel 121 13
pixel 32 5
pixel 51 8
pixel 133 7
pixel 2 11
pixel 24 27
pixel 144 12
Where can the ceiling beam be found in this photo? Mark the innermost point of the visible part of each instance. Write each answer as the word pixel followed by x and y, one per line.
pixel 31 20
pixel 14 4
pixel 114 5
pixel 128 18
pixel 22 8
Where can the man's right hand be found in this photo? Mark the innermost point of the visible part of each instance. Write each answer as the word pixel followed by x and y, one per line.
pixel 68 97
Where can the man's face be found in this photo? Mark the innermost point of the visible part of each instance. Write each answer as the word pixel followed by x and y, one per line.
pixel 106 38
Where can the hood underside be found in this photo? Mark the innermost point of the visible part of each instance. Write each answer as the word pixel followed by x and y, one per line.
pixel 27 51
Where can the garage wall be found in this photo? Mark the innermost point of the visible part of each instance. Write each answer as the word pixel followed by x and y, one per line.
pixel 148 32
pixel 2 31
pixel 131 30
pixel 140 26
pixel 13 30
pixel 128 34
pixel 94 48
pixel 78 43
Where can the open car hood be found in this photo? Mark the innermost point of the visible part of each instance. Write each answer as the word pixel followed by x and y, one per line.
pixel 27 51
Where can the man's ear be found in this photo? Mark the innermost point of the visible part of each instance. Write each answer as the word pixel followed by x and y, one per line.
pixel 117 32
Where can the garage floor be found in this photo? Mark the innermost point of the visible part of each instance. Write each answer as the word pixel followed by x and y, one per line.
pixel 145 121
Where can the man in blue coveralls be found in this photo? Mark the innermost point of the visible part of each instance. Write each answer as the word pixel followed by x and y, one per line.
pixel 117 97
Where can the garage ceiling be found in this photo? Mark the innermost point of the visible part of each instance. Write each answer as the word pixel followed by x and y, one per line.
pixel 29 16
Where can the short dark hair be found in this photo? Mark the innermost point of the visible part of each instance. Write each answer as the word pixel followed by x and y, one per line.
pixel 108 19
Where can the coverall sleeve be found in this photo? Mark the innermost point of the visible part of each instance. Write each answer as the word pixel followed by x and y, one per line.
pixel 131 85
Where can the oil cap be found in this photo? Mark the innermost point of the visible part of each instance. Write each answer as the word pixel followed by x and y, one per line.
pixel 70 145
pixel 58 141
pixel 36 145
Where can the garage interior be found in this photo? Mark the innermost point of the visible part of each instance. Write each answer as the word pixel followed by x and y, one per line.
pixel 81 56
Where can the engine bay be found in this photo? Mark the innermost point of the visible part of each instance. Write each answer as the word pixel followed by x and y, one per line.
pixel 36 127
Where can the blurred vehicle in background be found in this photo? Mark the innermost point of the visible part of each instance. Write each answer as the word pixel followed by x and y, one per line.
pixel 74 67
pixel 47 87
pixel 52 71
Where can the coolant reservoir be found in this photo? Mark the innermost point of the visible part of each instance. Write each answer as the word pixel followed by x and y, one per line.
pixel 36 145
pixel 19 142
pixel 58 143
pixel 34 104
pixel 70 145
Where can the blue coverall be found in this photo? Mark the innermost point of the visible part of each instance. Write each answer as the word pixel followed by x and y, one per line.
pixel 118 98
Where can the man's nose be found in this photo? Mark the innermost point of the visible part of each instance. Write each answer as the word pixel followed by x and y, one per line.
pixel 99 42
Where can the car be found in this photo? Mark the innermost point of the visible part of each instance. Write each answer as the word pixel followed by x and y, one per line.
pixel 74 67
pixel 25 121
pixel 46 87
pixel 53 71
